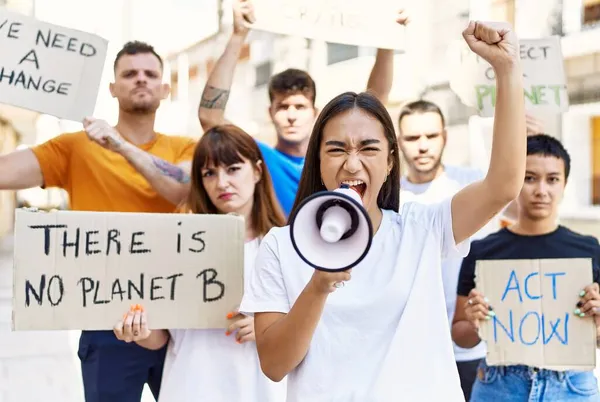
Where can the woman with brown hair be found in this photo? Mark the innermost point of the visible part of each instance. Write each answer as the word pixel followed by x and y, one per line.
pixel 383 336
pixel 228 176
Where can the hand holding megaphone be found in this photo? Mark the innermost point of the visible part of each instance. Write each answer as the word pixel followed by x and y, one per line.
pixel 327 282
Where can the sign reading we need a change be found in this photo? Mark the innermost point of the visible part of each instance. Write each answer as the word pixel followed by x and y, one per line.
pixel 534 322
pixel 48 68
pixel 544 81
pixel 352 22
pixel 83 270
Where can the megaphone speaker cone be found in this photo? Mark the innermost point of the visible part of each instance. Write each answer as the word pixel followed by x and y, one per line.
pixel 331 230
pixel 337 220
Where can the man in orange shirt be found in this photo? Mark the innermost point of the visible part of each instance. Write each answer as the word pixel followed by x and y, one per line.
pixel 126 168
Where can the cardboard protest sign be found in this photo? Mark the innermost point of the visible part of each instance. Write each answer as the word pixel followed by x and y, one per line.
pixel 351 22
pixel 535 324
pixel 544 80
pixel 83 270
pixel 49 69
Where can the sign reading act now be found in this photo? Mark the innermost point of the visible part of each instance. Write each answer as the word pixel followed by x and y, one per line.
pixel 82 270
pixel 534 325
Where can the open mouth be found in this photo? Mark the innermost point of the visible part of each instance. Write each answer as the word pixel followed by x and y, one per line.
pixel 357 185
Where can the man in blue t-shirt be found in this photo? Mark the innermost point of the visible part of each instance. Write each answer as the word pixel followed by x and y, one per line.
pixel 292 94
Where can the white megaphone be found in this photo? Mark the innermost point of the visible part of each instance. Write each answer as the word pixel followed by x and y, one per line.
pixel 331 230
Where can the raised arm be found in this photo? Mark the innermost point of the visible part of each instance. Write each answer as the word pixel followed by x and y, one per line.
pixel 476 204
pixel 169 180
pixel 382 74
pixel 534 126
pixel 20 170
pixel 214 98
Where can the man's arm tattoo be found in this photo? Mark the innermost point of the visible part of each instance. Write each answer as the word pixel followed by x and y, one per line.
pixel 214 98
pixel 170 170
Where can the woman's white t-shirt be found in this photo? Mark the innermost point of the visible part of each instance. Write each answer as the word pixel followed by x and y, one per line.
pixel 384 336
pixel 207 365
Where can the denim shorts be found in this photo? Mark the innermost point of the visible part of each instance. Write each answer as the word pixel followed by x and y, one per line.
pixel 529 384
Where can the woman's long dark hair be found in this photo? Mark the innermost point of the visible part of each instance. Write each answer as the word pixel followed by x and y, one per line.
pixel 226 145
pixel 310 181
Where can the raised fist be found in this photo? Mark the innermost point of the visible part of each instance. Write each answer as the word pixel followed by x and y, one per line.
pixel 243 13
pixel 495 42
pixel 403 17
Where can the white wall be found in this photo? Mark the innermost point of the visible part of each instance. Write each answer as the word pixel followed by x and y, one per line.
pixel 572 15
pixel 533 18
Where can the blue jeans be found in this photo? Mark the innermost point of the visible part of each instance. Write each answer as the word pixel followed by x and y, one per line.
pixel 528 384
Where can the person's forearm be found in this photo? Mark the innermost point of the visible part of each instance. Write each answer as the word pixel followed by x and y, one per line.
pixel 464 334
pixel 382 75
pixel 156 340
pixel 167 179
pixel 214 98
pixel 509 147
pixel 284 344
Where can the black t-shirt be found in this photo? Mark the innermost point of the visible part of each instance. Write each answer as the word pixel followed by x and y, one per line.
pixel 507 245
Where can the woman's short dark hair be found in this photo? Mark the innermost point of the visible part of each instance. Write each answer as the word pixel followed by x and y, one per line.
pixel 310 181
pixel 546 145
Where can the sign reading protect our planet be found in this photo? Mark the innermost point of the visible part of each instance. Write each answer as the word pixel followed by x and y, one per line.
pixel 544 81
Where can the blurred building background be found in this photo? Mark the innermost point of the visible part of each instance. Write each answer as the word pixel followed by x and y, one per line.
pixel 421 71
pixel 191 34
